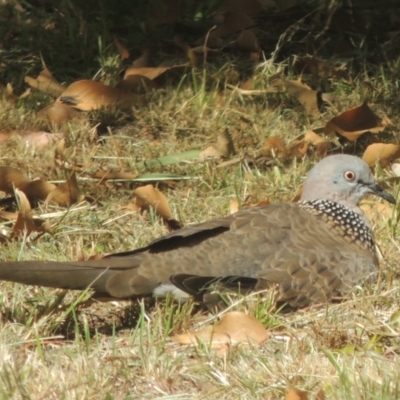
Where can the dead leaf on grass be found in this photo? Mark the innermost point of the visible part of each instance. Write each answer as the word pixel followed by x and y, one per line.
pixel 296 394
pixel 11 178
pixel 273 146
pixel 46 83
pixel 148 196
pixel 25 221
pixel 354 122
pixel 37 189
pixel 233 329
pixel 382 153
pixel 307 97
pixel 222 149
pixel 320 143
pixel 122 50
pixel 160 75
pixel 67 193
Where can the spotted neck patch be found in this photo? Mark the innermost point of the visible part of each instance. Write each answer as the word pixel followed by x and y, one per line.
pixel 340 217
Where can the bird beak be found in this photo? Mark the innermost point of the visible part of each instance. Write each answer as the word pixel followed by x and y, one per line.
pixel 376 189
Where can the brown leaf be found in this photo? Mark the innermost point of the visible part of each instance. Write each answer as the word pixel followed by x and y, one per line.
pixel 148 196
pixel 45 83
pixel 123 52
pixel 67 193
pixel 25 222
pixel 136 84
pixel 234 328
pixel 307 97
pixel 354 122
pixel 222 149
pixel 39 139
pixel 382 153
pixel 11 178
pixel 296 394
pixel 38 189
pixel 320 143
pixel 273 145
pixel 160 75
pixel 143 60
pixel 298 149
pixel 87 95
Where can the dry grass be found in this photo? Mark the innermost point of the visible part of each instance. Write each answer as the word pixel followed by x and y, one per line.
pixel 56 345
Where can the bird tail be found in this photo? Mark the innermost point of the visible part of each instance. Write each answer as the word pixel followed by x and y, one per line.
pixel 78 275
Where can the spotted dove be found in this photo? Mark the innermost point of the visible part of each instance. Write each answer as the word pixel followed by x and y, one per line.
pixel 313 250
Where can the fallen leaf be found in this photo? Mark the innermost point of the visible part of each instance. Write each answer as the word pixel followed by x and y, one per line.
pixel 296 394
pixel 307 97
pixel 45 83
pixel 382 153
pixel 136 84
pixel 354 122
pixel 160 75
pixel 123 52
pixel 148 196
pixel 273 146
pixel 11 178
pixel 234 328
pixel 222 149
pixel 320 143
pixel 38 189
pixel 67 193
pixel 298 149
pixel 25 224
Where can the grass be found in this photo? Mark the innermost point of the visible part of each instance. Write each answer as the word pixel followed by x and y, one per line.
pixel 59 345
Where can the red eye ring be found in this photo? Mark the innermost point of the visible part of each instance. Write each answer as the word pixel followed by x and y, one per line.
pixel 349 175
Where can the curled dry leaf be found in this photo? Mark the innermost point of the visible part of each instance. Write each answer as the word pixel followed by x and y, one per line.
pixel 122 50
pixel 223 148
pixel 354 122
pixel 88 95
pixel 67 193
pixel 296 394
pixel 320 143
pixel 307 97
pixel 382 153
pixel 234 328
pixel 160 75
pixel 273 146
pixel 25 221
pixel 59 113
pixel 45 83
pixel 148 196
pixel 38 189
pixel 11 178
pixel 136 84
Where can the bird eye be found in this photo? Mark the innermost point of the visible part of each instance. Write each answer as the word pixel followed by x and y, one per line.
pixel 349 175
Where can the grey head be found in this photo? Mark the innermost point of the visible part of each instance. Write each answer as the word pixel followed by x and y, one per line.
pixel 344 179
